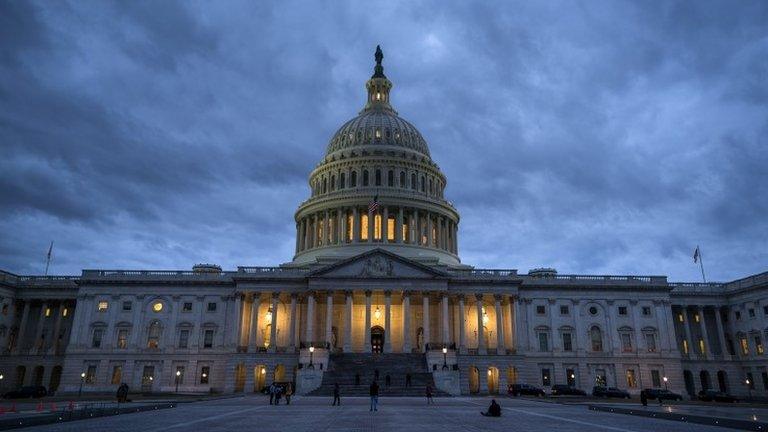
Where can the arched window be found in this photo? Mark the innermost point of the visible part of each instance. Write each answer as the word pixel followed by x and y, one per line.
pixel 431 187
pixel 391 178
pixel 402 179
pixel 342 180
pixel 365 178
pixel 596 336
pixel 325 186
pixel 413 181
pixel 333 183
pixel 153 335
pixel 353 179
pixel 378 177
pixel 423 184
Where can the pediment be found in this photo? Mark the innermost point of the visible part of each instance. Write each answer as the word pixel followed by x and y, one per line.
pixel 378 263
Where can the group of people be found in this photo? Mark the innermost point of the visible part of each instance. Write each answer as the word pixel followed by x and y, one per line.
pixel 277 391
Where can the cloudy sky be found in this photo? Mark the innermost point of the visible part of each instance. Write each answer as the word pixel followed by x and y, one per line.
pixel 593 137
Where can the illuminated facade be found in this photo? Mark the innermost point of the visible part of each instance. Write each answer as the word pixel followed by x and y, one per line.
pixel 385 280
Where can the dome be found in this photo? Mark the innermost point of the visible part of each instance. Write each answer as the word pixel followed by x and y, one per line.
pixel 377 128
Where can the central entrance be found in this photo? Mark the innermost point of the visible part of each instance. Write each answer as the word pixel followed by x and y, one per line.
pixel 377 339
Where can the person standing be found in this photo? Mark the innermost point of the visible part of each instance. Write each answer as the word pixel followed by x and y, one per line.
pixel 288 393
pixel 357 379
pixel 643 398
pixel 408 379
pixel 336 395
pixel 429 395
pixel 271 393
pixel 374 391
pixel 278 394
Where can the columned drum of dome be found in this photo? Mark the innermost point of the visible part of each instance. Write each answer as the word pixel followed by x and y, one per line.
pixel 377 157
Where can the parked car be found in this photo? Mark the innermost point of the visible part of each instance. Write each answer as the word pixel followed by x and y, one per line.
pixel 662 394
pixel 717 396
pixel 566 390
pixel 525 389
pixel 609 392
pixel 26 392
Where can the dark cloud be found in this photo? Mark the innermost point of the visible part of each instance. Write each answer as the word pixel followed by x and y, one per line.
pixel 601 137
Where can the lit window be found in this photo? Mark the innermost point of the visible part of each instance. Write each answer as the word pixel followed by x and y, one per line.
pixel 631 381
pixel 378 133
pixel 364 227
pixel 378 96
pixel 122 338
pixel 47 311
pixel 680 317
pixel 117 375
pixel 157 307
pixel 759 345
pixel 744 346
pixel 103 306
pixel 696 317
pixel 350 228
pixel 391 229
pixel 685 346
pixel 701 346
pixel 64 312
pixel 377 227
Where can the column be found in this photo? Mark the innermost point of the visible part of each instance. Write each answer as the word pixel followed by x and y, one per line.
pixel 292 329
pixel 456 239
pixel 612 332
pixel 513 323
pixel 667 335
pixel 255 303
pixel 307 232
pixel 704 333
pixel 500 347
pixel 415 223
pixel 273 327
pixel 23 326
pixel 371 225
pixel 462 326
pixel 56 328
pixel 443 233
pixel 355 225
pixel 406 322
pixel 481 348
pixel 40 325
pixel 237 332
pixel 348 322
pixel 367 340
pixel 445 332
pixel 298 237
pixel 639 340
pixel 329 319
pixel 310 334
pixel 425 321
pixel 385 230
pixel 399 226
pixel 327 228
pixel 687 327
pixel 721 333
pixel 342 225
pixel 387 321
pixel 429 230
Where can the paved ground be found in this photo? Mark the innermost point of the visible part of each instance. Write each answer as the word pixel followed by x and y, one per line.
pixel 732 411
pixel 253 413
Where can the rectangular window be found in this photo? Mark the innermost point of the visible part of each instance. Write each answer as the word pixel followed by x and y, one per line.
pixel 567 342
pixel 545 378
pixel 751 313
pixel 187 307
pixel 208 339
pixel 685 346
pixel 737 314
pixel 391 229
pixel 350 228
pixel 127 305
pixel 122 338
pixel 377 227
pixel 680 317
pixel 541 310
pixel 405 232
pixel 701 346
pixel 98 334
pixel 626 342
pixel 212 307
pixel 759 345
pixel 117 375
pixel 729 344
pixel 696 317
pixel 364 227
pixel 205 374
pixel 543 342
pixel 570 377
pixel 183 338
pixel 90 374
pixel 646 311
pixel 655 378
pixel 102 306
pixel 622 310
pixel 765 310
pixel 631 381
pixel 47 311
pixel 564 310
pixel 650 342
pixel 744 346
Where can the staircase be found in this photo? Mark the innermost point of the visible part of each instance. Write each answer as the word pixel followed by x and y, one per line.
pixel 343 367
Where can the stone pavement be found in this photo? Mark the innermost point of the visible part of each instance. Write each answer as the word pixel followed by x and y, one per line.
pixel 253 413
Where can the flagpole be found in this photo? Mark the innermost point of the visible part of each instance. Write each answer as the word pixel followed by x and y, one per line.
pixel 48 259
pixel 701 264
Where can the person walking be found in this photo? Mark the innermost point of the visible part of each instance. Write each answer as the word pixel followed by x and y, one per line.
pixel 336 395
pixel 271 394
pixel 429 395
pixel 288 393
pixel 374 391
pixel 278 394
pixel 643 398
pixel 408 379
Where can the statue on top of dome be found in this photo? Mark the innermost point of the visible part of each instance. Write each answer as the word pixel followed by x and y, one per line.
pixel 379 55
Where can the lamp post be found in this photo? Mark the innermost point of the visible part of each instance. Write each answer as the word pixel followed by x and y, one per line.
pixel 82 380
pixel 178 375
pixel 573 379
pixel 666 386
pixel 1 381
pixel 749 387
pixel 445 358
pixel 311 355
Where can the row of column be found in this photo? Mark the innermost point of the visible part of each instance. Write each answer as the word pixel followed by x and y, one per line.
pixel 411 226
pixel 699 311
pixel 57 310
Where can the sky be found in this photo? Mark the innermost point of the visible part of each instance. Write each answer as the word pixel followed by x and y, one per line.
pixel 592 137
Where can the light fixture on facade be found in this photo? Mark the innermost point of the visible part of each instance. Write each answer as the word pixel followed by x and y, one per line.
pixel 485 315
pixel 377 313
pixel 268 316
pixel 263 370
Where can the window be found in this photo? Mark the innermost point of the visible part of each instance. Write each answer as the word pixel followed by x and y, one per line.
pixel 413 181
pixel 117 375
pixel 545 378
pixel 153 335
pixel 208 339
pixel 365 178
pixel 543 342
pixel 680 317
pixel 765 309
pixel 391 178
pixel 751 381
pixel 646 311
pixel 596 336
pixel 157 307
pixel 183 338
pixel 378 177
pixel 759 345
pixel 402 179
pixel 600 379
pixel 205 374
pixel 622 310
pixel 353 179
pixel 626 342
pixel 570 377
pixel 5 309
pixel 564 310
pixel 650 342
pixel 685 346
pixel 631 381
pixel 187 307
pixel 655 378
pixel 592 310
pixel 98 335
pixel 744 345
pixel 212 307
pixel 701 346
pixel 102 306
pixel 47 311
pixel 751 312
pixel 90 374
pixel 148 375
pixel 364 227
pixel 541 310
pixel 696 317
pixel 567 342
pixel 423 184
pixel 127 306
pixel 342 180
pixel 122 338
pixel 737 314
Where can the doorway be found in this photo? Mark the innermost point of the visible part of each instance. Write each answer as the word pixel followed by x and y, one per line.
pixel 377 340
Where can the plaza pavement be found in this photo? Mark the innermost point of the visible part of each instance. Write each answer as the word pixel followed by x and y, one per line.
pixel 253 413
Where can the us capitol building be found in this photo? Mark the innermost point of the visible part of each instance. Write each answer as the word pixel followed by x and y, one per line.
pixel 377 283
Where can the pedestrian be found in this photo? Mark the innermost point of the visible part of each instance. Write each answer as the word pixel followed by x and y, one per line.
pixel 408 379
pixel 271 391
pixel 374 390
pixel 643 398
pixel 387 380
pixel 336 395
pixel 357 379
pixel 493 411
pixel 278 394
pixel 429 395
pixel 288 393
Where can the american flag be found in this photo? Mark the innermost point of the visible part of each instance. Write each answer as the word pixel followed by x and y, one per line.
pixel 696 255
pixel 374 205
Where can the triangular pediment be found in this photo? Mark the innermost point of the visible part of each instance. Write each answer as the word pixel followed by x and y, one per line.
pixel 378 263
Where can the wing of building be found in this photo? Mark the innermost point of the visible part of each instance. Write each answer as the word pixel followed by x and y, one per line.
pixel 376 289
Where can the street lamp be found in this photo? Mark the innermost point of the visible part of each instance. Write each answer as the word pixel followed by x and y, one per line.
pixel 311 355
pixel 749 387
pixel 1 380
pixel 82 380
pixel 666 386
pixel 178 375
pixel 445 358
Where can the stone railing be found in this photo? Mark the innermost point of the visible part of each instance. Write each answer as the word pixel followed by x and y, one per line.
pixel 697 288
pixel 599 279
pixel 273 271
pixel 748 282
pixel 384 192
pixel 484 273
pixel 154 274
